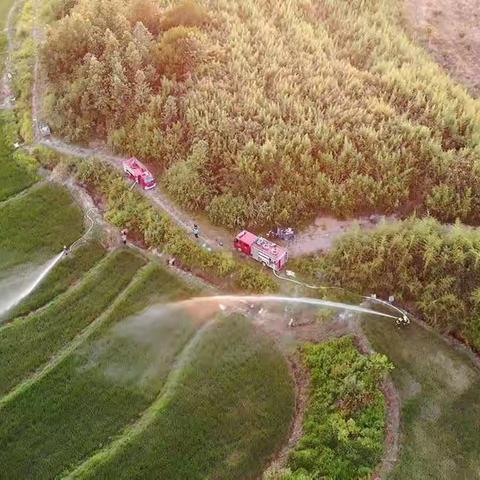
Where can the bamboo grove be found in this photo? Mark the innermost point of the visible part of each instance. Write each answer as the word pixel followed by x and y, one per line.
pixel 432 269
pixel 268 111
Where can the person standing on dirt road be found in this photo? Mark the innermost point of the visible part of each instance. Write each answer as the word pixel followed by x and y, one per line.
pixel 124 236
pixel 195 230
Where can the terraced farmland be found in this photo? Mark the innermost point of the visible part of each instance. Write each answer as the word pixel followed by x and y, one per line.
pixel 91 373
pixel 219 416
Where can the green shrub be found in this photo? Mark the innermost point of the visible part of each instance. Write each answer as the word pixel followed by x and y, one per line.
pixel 129 208
pixel 344 425
pixel 435 269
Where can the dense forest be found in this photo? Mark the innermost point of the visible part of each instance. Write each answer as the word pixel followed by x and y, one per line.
pixel 432 268
pixel 263 111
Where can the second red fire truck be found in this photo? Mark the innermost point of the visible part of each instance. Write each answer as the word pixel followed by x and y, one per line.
pixel 262 250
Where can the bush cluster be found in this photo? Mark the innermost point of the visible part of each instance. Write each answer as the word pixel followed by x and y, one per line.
pixel 128 208
pixel 344 425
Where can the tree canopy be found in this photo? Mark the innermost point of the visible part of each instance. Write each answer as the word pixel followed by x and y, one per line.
pixel 300 107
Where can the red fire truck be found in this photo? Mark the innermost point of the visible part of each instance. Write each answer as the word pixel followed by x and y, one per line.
pixel 139 173
pixel 262 250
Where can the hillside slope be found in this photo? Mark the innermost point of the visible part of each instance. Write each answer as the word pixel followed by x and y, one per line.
pixel 269 111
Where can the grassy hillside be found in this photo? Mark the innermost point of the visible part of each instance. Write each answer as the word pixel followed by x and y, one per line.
pixel 221 416
pixel 30 342
pixel 440 393
pixel 16 171
pixel 64 275
pixel 5 6
pixel 100 387
pixel 37 225
pixel 266 111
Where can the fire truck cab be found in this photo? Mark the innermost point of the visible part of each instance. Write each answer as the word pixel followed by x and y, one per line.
pixel 139 173
pixel 262 250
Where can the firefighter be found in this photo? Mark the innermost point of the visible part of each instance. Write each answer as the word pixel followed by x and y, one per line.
pixel 402 321
pixel 195 230
pixel 65 250
pixel 123 234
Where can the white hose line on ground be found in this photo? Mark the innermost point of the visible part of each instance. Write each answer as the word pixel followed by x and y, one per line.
pixel 314 287
pixel 89 229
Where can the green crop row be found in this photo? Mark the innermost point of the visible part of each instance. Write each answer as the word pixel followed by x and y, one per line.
pixel 29 343
pixel 225 413
pixel 62 277
pixel 36 226
pixel 99 388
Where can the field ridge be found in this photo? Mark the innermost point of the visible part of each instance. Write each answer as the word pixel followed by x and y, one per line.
pixel 134 430
pixel 25 308
pixel 72 345
pixel 92 272
pixel 23 192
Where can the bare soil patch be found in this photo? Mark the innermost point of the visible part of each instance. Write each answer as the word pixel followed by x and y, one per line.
pixel 325 230
pixel 450 30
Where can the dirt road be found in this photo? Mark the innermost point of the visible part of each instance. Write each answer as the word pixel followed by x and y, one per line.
pixel 450 31
pixel 322 233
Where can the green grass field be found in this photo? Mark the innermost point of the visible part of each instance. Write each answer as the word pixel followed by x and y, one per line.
pixel 63 276
pixel 36 226
pixel 440 393
pixel 14 177
pixel 5 6
pixel 99 388
pixel 224 414
pixel 26 344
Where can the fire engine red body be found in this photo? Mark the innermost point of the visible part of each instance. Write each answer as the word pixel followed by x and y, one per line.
pixel 139 173
pixel 261 250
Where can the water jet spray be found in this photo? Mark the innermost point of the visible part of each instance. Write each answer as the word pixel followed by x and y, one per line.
pixel 223 300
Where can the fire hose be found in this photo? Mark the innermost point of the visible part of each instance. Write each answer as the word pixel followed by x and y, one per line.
pixel 403 319
pixel 77 242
